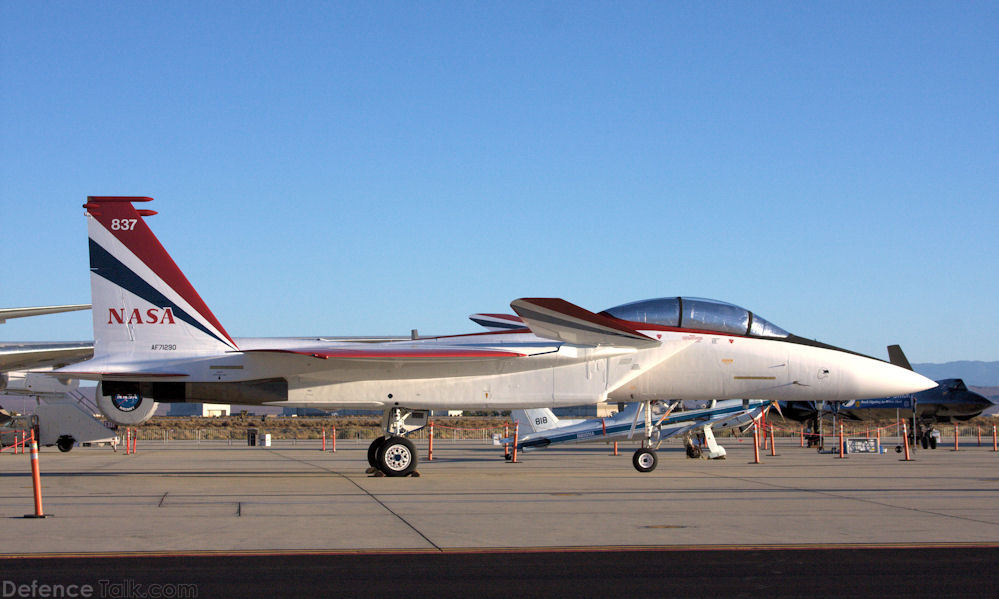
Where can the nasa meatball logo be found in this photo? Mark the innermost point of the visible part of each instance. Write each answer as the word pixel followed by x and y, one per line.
pixel 126 402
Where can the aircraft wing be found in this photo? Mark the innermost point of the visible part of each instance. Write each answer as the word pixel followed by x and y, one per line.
pixel 25 356
pixel 730 410
pixel 388 360
pixel 666 433
pixel 555 318
pixel 8 313
pixel 398 355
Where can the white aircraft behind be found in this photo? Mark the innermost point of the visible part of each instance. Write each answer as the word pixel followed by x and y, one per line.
pixel 8 313
pixel 25 356
pixel 61 419
pixel 543 429
pixel 156 340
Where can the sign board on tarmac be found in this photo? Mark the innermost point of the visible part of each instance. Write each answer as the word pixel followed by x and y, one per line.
pixel 861 446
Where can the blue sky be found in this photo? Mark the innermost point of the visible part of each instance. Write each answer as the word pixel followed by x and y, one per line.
pixel 369 168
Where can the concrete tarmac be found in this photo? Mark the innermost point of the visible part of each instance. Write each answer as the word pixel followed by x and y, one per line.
pixel 187 497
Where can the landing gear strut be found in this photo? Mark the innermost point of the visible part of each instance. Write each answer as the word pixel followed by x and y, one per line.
pixel 394 454
pixel 644 459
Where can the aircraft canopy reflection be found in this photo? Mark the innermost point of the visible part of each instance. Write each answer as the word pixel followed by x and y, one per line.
pixel 700 314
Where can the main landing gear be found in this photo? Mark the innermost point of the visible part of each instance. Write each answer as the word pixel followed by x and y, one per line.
pixel 65 443
pixel 393 454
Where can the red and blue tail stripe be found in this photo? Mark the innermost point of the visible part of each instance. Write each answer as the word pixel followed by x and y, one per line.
pixel 119 222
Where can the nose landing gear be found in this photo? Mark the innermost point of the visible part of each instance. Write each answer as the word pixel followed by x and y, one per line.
pixel 645 459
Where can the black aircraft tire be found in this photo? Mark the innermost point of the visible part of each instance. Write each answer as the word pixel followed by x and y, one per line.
pixel 65 444
pixel 925 441
pixel 644 460
pixel 397 457
pixel 933 442
pixel 373 452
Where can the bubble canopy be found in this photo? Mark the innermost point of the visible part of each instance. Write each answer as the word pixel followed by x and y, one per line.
pixel 697 313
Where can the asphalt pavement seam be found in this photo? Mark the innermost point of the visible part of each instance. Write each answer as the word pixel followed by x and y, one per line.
pixel 366 492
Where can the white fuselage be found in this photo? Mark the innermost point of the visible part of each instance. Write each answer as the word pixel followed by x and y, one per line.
pixel 688 365
pixel 718 366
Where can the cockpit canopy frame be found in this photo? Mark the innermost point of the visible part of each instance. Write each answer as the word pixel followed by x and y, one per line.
pixel 697 313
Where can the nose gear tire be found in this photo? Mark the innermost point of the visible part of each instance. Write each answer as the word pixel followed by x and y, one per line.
pixel 645 460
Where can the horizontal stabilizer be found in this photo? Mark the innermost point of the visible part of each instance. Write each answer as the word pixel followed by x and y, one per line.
pixel 555 318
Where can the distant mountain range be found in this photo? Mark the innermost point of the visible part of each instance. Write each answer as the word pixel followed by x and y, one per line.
pixel 978 374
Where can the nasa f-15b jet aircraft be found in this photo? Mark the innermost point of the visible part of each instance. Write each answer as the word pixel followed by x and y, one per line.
pixel 156 340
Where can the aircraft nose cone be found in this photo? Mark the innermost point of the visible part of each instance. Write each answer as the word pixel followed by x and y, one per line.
pixel 874 378
pixel 912 381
